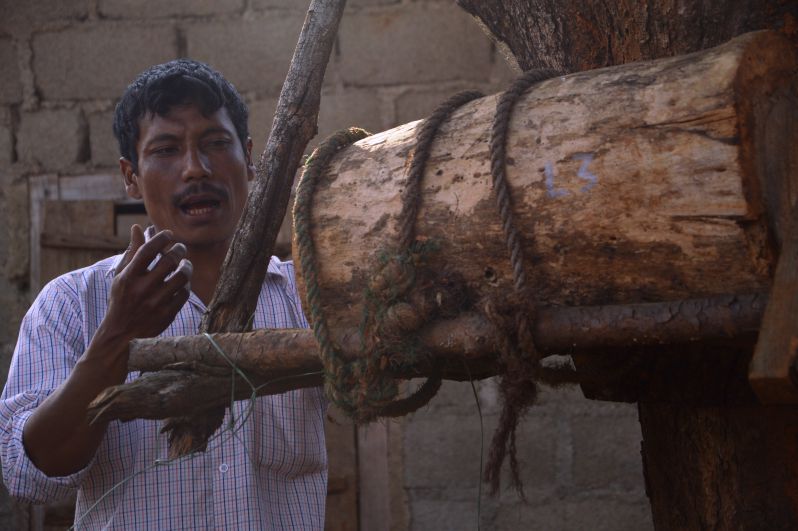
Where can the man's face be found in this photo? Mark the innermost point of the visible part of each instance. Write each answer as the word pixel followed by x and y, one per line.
pixel 192 175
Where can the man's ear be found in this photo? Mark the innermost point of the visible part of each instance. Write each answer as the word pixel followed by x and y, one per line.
pixel 131 179
pixel 250 164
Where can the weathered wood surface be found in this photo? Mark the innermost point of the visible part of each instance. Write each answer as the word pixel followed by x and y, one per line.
pixel 772 372
pixel 464 348
pixel 244 269
pixel 633 183
pixel 721 467
pixel 471 339
pixel 574 35
pixel 735 466
pixel 294 125
pixel 82 221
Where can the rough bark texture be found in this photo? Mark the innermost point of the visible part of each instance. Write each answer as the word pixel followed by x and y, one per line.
pixel 463 348
pixel 576 35
pixel 245 265
pixel 630 184
pixel 719 467
pixel 244 269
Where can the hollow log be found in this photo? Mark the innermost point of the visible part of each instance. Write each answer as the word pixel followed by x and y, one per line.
pixel 630 184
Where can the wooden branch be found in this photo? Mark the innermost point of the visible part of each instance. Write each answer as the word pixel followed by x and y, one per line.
pixel 464 347
pixel 247 260
pixel 244 269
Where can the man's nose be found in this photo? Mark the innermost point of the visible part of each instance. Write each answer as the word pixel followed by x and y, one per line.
pixel 195 165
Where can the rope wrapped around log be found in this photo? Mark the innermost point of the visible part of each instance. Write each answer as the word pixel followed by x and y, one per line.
pixel 395 309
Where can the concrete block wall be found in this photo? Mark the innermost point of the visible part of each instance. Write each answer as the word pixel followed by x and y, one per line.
pixel 65 62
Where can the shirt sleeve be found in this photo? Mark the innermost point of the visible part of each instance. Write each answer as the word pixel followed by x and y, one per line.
pixel 49 344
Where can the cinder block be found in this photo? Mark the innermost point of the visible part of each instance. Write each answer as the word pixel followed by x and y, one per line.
pixel 20 18
pixel 547 514
pixel 457 398
pixel 253 54
pixel 104 148
pixel 10 86
pixel 505 71
pixel 365 3
pixel 448 452
pixel 347 108
pixel 159 8
pixel 607 453
pixel 52 139
pixel 417 43
pixel 603 514
pixel 260 5
pixel 261 115
pixel 14 230
pixel 416 104
pixel 6 145
pixel 99 62
pixel 448 515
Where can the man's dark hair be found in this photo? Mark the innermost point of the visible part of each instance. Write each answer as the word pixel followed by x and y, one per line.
pixel 178 82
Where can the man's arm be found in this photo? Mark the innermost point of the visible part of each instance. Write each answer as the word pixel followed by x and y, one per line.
pixel 57 437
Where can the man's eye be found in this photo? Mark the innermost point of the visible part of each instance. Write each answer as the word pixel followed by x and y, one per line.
pixel 165 150
pixel 219 143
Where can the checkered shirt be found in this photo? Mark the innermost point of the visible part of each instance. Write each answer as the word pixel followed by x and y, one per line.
pixel 270 473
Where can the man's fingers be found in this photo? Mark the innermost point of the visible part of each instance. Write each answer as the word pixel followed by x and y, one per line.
pixel 147 252
pixel 181 277
pixel 136 241
pixel 169 261
pixel 177 301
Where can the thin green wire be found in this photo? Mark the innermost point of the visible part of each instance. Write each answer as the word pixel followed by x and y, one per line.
pixel 481 445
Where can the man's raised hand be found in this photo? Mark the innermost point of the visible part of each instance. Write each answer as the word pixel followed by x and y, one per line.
pixel 144 301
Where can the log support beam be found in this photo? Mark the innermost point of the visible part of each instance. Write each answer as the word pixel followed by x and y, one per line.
pixel 464 347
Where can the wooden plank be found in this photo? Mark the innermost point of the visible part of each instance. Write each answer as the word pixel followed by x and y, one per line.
pixel 92 220
pixel 112 244
pixel 342 478
pixel 771 372
pixel 96 186
pixel 40 189
pixel 374 476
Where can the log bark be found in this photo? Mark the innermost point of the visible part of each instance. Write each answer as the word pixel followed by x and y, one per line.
pixel 577 35
pixel 630 184
pixel 707 467
pixel 463 348
pixel 244 269
pixel 721 467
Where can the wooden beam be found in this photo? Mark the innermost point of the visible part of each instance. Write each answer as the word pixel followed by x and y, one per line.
pixel 464 348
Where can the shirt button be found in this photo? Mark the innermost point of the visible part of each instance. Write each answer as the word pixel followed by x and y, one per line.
pixel 223 468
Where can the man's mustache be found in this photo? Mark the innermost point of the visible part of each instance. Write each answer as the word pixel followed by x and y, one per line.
pixel 204 188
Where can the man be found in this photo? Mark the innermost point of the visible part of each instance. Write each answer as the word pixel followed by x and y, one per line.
pixel 182 131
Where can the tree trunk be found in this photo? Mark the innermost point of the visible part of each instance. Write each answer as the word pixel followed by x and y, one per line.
pixel 576 35
pixel 720 467
pixel 630 184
